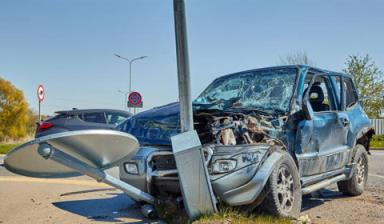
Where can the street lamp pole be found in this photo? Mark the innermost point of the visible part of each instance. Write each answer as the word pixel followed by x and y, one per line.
pixel 130 61
pixel 125 100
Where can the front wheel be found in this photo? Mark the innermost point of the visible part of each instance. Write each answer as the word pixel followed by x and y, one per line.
pixel 283 189
pixel 355 185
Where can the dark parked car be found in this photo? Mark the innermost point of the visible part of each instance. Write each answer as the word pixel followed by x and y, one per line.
pixel 269 136
pixel 75 119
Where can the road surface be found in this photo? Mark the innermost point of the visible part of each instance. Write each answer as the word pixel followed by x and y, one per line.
pixel 83 200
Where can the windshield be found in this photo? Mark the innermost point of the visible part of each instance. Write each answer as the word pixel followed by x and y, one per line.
pixel 267 90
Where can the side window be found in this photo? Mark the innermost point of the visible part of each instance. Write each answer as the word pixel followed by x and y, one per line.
pixel 319 95
pixel 350 93
pixel 114 118
pixel 94 117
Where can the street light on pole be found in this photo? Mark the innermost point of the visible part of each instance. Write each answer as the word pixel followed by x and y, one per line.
pixel 130 69
pixel 125 101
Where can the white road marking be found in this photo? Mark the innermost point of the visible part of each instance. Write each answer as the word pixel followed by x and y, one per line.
pixel 53 181
pixel 375 175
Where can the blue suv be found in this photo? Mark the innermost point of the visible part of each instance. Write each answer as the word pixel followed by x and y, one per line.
pixel 269 136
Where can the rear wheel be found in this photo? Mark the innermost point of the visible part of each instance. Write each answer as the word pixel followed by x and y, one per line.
pixel 355 185
pixel 283 189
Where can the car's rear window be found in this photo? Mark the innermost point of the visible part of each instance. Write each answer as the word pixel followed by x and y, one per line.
pixel 94 117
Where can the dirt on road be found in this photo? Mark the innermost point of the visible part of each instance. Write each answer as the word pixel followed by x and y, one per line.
pixel 330 206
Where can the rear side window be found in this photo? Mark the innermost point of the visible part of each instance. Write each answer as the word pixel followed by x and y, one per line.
pixel 350 93
pixel 94 117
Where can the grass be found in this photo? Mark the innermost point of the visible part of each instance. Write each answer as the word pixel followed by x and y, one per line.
pixel 235 216
pixel 226 215
pixel 377 141
pixel 5 148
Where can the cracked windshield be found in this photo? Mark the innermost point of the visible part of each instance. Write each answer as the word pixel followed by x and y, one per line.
pixel 266 90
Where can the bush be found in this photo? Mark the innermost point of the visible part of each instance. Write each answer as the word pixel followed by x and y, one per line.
pixel 377 141
pixel 16 119
pixel 5 148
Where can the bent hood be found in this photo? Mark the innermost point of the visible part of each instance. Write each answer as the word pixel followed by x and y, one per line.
pixel 156 126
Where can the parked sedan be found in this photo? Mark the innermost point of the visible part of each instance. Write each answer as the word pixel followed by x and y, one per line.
pixel 75 119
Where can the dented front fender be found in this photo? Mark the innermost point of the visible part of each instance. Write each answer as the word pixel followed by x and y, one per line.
pixel 248 192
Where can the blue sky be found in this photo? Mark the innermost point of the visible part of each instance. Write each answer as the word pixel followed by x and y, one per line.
pixel 68 45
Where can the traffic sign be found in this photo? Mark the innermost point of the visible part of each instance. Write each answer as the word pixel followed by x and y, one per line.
pixel 130 105
pixel 134 99
pixel 40 93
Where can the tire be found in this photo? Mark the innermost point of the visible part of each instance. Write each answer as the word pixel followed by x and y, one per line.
pixel 355 185
pixel 283 189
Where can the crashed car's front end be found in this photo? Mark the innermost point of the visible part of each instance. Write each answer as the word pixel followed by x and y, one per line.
pixel 241 120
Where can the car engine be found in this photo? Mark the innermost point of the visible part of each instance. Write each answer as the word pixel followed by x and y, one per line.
pixel 237 129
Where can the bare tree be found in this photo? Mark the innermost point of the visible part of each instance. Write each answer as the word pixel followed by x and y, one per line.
pixel 297 58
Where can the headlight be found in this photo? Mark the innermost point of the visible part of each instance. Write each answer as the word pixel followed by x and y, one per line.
pixel 223 166
pixel 131 168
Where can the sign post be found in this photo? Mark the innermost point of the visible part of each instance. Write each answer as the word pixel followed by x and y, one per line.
pixel 40 97
pixel 135 100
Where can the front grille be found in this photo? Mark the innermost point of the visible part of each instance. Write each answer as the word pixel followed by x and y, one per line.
pixel 163 162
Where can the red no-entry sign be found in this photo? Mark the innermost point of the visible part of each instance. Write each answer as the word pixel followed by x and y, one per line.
pixel 135 99
pixel 40 93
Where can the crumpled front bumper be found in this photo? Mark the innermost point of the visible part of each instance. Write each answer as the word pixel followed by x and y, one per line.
pixel 239 187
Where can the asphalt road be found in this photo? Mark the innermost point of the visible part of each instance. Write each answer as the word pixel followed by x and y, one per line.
pixel 83 200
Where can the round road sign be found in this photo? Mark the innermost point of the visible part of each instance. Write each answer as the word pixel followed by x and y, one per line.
pixel 40 93
pixel 134 98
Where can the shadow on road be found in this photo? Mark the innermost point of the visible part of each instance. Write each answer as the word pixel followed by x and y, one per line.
pixel 320 197
pixel 117 209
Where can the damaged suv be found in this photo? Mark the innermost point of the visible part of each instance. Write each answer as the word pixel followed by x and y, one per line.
pixel 269 136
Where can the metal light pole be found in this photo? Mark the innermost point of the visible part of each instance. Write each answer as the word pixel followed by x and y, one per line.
pixel 194 180
pixel 130 70
pixel 125 100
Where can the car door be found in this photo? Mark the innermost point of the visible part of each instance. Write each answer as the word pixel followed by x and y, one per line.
pixel 358 120
pixel 323 137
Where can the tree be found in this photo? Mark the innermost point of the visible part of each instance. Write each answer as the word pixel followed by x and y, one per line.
pixel 14 112
pixel 298 58
pixel 369 81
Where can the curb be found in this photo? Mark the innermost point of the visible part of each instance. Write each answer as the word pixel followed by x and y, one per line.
pixel 378 149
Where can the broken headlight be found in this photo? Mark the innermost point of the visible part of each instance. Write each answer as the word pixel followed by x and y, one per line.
pixel 223 166
pixel 131 168
pixel 231 161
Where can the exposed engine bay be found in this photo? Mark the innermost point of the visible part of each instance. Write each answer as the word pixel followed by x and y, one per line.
pixel 238 128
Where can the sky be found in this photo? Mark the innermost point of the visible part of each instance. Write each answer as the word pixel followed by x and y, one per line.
pixel 69 45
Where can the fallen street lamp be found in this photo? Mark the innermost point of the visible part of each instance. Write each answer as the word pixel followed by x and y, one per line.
pixel 130 69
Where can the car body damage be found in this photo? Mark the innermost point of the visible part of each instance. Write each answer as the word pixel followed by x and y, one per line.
pixel 248 122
